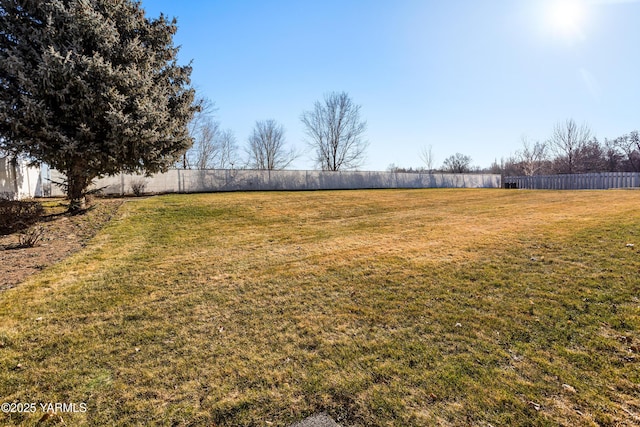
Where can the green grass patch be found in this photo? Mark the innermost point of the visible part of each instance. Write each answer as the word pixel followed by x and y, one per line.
pixel 394 308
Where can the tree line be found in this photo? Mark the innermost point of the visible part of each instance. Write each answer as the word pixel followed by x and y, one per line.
pixel 572 148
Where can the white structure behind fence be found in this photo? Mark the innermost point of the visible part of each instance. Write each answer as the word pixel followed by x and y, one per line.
pixel 213 180
pixel 587 181
pixel 18 180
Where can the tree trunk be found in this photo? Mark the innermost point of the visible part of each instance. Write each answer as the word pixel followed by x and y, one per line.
pixel 77 183
pixel 14 166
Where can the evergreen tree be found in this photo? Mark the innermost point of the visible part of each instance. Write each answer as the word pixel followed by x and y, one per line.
pixel 92 88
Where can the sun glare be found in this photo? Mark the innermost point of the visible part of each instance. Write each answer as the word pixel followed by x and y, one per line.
pixel 567 17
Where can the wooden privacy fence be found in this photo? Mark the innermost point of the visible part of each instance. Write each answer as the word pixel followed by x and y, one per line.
pixel 586 181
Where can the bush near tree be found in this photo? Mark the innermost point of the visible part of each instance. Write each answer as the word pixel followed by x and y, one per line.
pixel 17 215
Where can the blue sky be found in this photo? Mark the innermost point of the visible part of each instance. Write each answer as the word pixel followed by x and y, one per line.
pixel 464 76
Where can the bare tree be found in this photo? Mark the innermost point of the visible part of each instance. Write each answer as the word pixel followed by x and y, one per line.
pixel 335 132
pixel 205 149
pixel 203 130
pixel 613 157
pixel 393 168
pixel 510 166
pixel 630 146
pixel 213 148
pixel 266 147
pixel 228 150
pixel 532 157
pixel 566 142
pixel 426 155
pixel 457 163
pixel 634 157
pixel 591 157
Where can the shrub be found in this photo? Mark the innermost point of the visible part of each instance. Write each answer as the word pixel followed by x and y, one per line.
pixel 137 186
pixel 30 237
pixel 16 215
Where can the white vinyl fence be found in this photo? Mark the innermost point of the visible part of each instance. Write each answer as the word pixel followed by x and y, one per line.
pixel 587 181
pixel 213 180
pixel 18 181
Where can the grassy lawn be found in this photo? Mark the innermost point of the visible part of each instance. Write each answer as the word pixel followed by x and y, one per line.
pixel 380 308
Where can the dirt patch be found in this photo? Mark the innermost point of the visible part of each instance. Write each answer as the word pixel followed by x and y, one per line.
pixel 63 235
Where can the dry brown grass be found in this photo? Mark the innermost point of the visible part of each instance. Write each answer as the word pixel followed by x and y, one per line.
pixel 62 235
pixel 429 307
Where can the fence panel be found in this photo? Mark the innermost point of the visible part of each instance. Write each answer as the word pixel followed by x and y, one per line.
pixel 587 181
